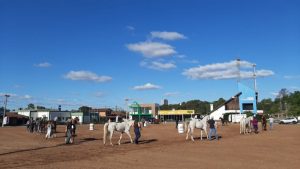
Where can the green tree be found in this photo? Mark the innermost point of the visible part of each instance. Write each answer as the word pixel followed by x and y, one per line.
pixel 219 102
pixel 267 105
pixel 85 109
pixel 294 104
pixel 2 110
pixel 31 106
pixel 40 107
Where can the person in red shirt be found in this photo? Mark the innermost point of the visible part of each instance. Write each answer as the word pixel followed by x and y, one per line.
pixel 255 125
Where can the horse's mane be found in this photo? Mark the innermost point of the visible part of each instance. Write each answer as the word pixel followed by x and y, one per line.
pixel 205 118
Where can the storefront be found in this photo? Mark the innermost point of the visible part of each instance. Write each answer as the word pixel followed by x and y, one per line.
pixel 173 115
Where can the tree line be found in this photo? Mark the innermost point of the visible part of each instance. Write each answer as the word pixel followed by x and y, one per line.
pixel 285 102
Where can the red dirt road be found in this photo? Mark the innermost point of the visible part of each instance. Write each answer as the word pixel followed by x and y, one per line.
pixel 161 147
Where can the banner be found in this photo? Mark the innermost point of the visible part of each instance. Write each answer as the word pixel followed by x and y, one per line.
pixel 175 112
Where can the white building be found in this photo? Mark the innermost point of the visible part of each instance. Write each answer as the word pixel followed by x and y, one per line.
pixel 62 116
pixel 232 108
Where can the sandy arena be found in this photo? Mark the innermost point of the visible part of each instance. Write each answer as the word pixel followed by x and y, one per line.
pixel 161 147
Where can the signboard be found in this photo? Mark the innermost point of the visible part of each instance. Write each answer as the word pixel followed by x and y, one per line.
pixel 175 112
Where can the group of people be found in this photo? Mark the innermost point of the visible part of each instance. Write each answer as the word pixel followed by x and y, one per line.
pixel 254 123
pixel 40 125
pixel 49 127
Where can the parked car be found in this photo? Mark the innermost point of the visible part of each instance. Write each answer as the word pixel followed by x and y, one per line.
pixel 289 120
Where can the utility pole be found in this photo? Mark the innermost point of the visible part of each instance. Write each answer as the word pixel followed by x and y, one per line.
pixel 238 62
pixel 126 107
pixel 254 77
pixel 5 103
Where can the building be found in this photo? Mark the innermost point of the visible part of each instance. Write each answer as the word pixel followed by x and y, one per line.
pixel 172 115
pixel 165 102
pixel 83 117
pixel 14 119
pixel 233 108
pixel 103 112
pixel 60 116
pixel 145 111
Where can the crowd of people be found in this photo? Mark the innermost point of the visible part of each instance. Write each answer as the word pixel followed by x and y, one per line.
pixel 40 125
pixel 254 123
pixel 48 127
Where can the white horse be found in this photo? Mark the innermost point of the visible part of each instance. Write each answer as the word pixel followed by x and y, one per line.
pixel 123 127
pixel 196 123
pixel 245 125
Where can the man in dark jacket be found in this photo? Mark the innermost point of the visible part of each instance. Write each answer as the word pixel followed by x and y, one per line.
pixel 212 129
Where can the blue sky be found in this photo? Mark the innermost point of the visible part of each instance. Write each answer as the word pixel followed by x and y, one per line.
pixel 98 53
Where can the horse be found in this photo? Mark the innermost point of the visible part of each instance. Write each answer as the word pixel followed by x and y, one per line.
pixel 123 127
pixel 224 121
pixel 245 125
pixel 196 123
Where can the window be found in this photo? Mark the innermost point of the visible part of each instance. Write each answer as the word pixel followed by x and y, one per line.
pixel 248 106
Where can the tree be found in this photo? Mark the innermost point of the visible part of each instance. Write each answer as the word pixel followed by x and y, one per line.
pixel 219 102
pixel 294 104
pixel 283 93
pixel 31 106
pixel 40 107
pixel 2 110
pixel 85 109
pixel 266 105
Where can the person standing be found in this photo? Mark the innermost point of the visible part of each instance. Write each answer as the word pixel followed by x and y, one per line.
pixel 69 137
pixel 177 121
pixel 73 126
pixel 264 122
pixel 49 128
pixel 212 129
pixel 137 132
pixel 255 125
pixel 271 119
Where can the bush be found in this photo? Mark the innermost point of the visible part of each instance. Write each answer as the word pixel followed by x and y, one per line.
pixel 248 113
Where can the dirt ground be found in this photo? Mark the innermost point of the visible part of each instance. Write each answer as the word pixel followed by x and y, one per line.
pixel 161 147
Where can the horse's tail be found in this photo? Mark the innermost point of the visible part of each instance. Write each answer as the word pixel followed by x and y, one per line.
pixel 105 132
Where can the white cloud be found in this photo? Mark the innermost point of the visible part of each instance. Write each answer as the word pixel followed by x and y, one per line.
pixel 158 65
pixel 43 65
pixel 130 28
pixel 274 94
pixel 26 97
pixel 86 75
pixel 295 88
pixel 170 94
pixel 183 58
pixel 152 49
pixel 292 77
pixel 180 56
pixel 167 35
pixel 64 102
pixel 147 86
pixel 227 70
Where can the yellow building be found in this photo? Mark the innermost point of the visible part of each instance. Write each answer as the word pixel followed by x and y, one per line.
pixel 172 115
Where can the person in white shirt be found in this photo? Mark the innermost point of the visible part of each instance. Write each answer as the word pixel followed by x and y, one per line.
pixel 271 119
